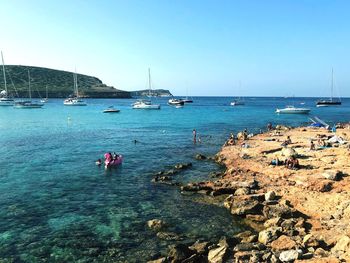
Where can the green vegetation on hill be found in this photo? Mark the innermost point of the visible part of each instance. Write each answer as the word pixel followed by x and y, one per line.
pixel 59 83
pixel 155 93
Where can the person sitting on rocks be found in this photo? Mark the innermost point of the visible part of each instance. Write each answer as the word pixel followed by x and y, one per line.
pixel 312 146
pixel 287 142
pixel 292 163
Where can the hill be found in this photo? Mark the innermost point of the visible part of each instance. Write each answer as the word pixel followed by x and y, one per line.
pixel 59 83
pixel 154 93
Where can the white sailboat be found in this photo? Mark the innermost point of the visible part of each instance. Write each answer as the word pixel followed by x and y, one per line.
pixel 44 100
pixel 238 101
pixel 331 101
pixel 146 104
pixel 5 100
pixel 28 104
pixel 76 100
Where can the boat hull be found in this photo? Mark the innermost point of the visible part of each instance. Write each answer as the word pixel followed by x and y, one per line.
pixel 146 107
pixel 293 111
pixel 328 103
pixel 6 102
pixel 28 105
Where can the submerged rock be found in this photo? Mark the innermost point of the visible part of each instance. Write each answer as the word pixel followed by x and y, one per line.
pixel 156 224
pixel 168 236
pixel 183 166
pixel 199 156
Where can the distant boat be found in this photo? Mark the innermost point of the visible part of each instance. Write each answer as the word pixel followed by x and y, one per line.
pixel 293 110
pixel 176 102
pixel 111 109
pixel 187 99
pixel 330 101
pixel 146 104
pixel 238 101
pixel 28 104
pixel 76 100
pixel 5 100
pixel 44 100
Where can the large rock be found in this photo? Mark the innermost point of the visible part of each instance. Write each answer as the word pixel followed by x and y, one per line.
pixel 310 241
pixel 178 253
pixel 278 210
pixel 320 186
pixel 217 255
pixel 200 247
pixel 283 243
pixel 288 152
pixel 155 224
pixel 289 255
pixel 268 235
pixel 332 175
pixel 342 248
pixel 276 221
pixel 270 196
pixel 245 204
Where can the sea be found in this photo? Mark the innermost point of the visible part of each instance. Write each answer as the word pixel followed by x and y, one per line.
pixel 56 205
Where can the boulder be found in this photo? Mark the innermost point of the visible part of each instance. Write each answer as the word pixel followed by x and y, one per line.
pixel 342 247
pixel 244 207
pixel 159 260
pixel 276 221
pixel 283 243
pixel 332 175
pixel 217 255
pixel 320 252
pixel 289 255
pixel 242 191
pixel 268 235
pixel 199 156
pixel 320 186
pixel 168 236
pixel 247 237
pixel 310 241
pixel 200 247
pixel 249 247
pixel 270 196
pixel 178 253
pixel 288 152
pixel 278 210
pixel 182 166
pixel 155 224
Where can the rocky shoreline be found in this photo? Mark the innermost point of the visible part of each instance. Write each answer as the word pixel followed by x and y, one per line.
pixel 296 215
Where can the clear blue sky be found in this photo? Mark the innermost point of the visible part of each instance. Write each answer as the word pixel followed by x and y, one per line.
pixel 273 47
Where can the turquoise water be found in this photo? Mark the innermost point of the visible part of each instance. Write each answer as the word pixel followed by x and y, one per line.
pixel 57 206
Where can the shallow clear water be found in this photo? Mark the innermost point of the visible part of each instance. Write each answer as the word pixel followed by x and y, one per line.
pixel 57 206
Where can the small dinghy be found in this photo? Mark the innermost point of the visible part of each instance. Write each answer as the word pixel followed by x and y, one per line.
pixel 111 109
pixel 111 162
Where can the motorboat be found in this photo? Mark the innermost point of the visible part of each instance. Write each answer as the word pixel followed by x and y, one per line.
pixel 111 109
pixel 237 102
pixel 75 100
pixel 27 104
pixel 176 102
pixel 145 104
pixel 293 110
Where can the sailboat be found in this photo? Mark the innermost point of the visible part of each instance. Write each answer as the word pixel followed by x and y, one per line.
pixel 28 104
pixel 44 100
pixel 238 101
pixel 76 100
pixel 143 103
pixel 5 100
pixel 187 99
pixel 331 101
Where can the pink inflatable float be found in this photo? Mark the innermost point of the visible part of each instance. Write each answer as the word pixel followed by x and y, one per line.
pixel 110 162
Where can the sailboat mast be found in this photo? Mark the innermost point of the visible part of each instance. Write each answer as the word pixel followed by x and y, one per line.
pixel 30 93
pixel 149 82
pixel 332 85
pixel 76 84
pixel 3 70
